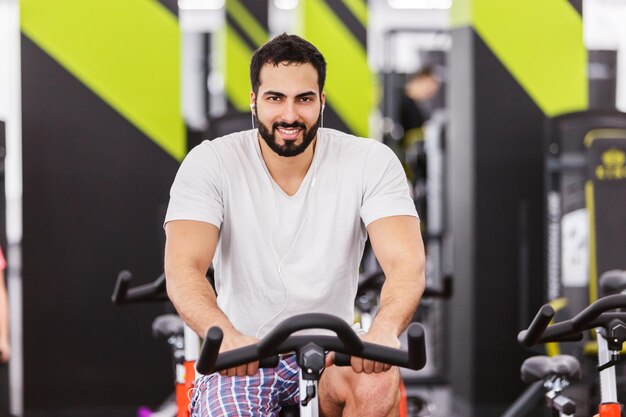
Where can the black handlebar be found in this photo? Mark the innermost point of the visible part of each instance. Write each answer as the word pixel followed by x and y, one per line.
pixel 539 324
pixel 594 315
pixel 154 291
pixel 280 333
pixel 280 341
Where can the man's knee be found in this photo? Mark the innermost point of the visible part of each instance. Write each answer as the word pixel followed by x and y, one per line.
pixel 376 394
pixel 372 386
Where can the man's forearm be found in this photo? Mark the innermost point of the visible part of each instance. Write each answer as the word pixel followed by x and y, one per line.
pixel 399 297
pixel 195 300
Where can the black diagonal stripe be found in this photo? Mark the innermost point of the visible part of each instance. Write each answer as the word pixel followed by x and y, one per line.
pixel 334 121
pixel 242 34
pixel 171 5
pixel 578 5
pixel 352 23
pixel 259 9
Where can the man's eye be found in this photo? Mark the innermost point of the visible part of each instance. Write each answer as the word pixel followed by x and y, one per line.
pixel 274 98
pixel 306 99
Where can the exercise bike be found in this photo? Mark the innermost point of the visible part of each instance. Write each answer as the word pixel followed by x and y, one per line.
pixel 183 342
pixel 610 329
pixel 310 352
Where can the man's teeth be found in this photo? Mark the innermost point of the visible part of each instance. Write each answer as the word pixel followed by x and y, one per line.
pixel 288 131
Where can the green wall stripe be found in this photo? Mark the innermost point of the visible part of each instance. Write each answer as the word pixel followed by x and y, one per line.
pixel 540 42
pixel 349 87
pixel 247 22
pixel 237 70
pixel 238 52
pixel 126 51
pixel 359 9
pixel 461 13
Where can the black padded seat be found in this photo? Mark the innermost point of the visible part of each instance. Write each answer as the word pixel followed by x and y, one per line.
pixel 613 281
pixel 537 368
pixel 168 325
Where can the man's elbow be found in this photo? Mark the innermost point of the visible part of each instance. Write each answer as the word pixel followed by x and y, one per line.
pixel 420 279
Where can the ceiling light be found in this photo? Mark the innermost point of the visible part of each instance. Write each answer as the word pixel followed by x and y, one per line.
pixel 200 4
pixel 286 4
pixel 420 4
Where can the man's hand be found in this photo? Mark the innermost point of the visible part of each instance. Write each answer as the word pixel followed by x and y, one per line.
pixel 5 351
pixel 233 341
pixel 380 337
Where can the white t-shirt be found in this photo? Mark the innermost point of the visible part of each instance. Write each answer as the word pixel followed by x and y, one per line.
pixel 277 255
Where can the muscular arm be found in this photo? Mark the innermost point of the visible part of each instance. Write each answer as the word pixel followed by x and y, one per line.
pixel 189 250
pixel 398 246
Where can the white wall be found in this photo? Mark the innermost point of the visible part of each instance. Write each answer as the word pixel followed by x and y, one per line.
pixel 383 18
pixel 10 113
pixel 10 101
pixel 605 28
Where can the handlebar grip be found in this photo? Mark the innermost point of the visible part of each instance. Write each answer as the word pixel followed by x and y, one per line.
pixel 532 335
pixel 121 287
pixel 341 359
pixel 416 353
pixel 417 346
pixel 210 348
pixel 269 362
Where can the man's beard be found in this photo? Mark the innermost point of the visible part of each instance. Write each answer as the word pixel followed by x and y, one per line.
pixel 289 148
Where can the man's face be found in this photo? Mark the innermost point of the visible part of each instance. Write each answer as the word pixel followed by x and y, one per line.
pixel 287 107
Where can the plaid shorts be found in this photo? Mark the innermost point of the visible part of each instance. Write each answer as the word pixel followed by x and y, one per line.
pixel 263 394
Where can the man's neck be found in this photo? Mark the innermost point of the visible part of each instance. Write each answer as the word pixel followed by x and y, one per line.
pixel 283 168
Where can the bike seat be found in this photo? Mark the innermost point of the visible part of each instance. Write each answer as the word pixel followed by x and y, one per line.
pixel 613 281
pixel 537 368
pixel 167 325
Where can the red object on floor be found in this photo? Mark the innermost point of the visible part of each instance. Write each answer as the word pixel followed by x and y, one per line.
pixel 183 390
pixel 610 410
pixel 403 402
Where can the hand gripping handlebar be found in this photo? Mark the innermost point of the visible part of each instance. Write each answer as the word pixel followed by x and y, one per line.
pixel 595 315
pixel 280 340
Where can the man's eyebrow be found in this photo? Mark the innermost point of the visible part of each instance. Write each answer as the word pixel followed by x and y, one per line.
pixel 279 94
pixel 273 93
pixel 306 94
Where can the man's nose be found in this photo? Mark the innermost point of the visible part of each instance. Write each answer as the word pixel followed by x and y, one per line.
pixel 290 113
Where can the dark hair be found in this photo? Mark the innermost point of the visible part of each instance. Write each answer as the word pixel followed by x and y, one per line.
pixel 424 72
pixel 290 49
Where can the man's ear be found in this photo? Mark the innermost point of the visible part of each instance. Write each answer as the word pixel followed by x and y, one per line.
pixel 252 101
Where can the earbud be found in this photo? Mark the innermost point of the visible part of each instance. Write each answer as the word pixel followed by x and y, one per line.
pixel 252 107
pixel 323 107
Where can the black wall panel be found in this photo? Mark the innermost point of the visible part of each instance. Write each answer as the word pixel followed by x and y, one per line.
pixel 496 180
pixel 509 222
pixel 93 198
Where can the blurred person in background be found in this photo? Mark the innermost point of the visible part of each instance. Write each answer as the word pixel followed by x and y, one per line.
pixel 414 110
pixel 5 349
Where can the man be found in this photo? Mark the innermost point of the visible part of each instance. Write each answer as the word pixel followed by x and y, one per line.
pixel 283 213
